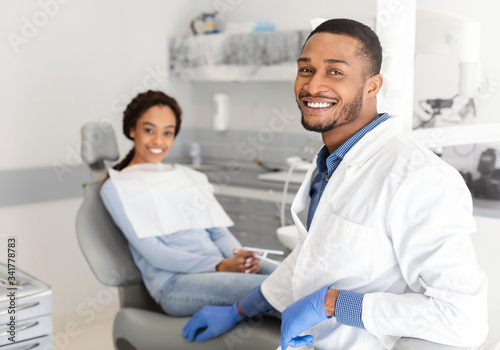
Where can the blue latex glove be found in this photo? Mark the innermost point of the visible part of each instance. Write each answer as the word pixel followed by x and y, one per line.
pixel 215 319
pixel 300 316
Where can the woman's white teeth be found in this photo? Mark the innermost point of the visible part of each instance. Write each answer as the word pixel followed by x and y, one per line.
pixel 156 150
pixel 318 104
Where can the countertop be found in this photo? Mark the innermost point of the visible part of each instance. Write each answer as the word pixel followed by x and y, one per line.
pixel 240 179
pixel 234 178
pixel 487 207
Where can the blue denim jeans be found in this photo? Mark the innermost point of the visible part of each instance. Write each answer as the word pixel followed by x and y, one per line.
pixel 187 293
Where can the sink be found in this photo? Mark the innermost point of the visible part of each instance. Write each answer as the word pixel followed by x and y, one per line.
pixel 288 236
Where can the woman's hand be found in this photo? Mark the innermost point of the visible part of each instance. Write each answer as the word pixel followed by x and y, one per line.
pixel 242 261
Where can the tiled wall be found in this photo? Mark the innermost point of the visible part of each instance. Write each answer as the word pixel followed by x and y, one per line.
pixel 240 145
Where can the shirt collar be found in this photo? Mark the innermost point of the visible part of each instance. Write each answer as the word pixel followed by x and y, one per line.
pixel 327 163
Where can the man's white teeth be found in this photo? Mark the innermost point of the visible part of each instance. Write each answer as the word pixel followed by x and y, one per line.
pixel 318 104
pixel 156 150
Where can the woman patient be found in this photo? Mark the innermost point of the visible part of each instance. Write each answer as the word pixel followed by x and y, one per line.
pixel 176 229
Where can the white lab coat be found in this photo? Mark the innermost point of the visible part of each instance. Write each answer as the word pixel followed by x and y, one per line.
pixel 393 222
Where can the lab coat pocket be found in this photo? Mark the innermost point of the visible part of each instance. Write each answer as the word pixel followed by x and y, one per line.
pixel 346 249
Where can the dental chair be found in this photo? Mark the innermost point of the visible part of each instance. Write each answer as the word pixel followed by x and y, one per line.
pixel 140 323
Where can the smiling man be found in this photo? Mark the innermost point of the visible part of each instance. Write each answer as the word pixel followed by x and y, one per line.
pixel 330 90
pixel 384 225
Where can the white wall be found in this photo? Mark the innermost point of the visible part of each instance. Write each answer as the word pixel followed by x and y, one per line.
pixel 82 65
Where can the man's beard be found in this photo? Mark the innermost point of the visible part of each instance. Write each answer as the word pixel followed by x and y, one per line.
pixel 349 113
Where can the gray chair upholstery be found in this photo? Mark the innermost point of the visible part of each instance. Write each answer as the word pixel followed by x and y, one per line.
pixel 140 323
pixel 98 145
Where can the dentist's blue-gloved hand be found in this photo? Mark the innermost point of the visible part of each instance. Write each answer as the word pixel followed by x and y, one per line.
pixel 300 316
pixel 215 319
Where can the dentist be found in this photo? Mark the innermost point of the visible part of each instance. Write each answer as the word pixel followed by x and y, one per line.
pixel 384 224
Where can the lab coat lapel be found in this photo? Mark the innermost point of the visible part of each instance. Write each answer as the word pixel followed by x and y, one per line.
pixel 300 201
pixel 364 149
pixel 372 142
pixel 332 186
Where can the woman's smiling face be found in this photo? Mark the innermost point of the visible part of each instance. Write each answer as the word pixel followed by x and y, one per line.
pixel 153 135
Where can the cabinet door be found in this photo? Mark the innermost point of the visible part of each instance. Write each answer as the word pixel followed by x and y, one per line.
pixel 28 307
pixel 27 329
pixel 270 56
pixel 255 221
pixel 41 343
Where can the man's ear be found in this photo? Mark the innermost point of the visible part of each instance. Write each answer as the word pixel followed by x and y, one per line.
pixel 373 85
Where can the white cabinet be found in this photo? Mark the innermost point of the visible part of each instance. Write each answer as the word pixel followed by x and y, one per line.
pixel 270 56
pixel 42 343
pixel 25 311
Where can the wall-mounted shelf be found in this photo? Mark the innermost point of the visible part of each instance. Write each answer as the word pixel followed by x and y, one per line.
pixel 237 57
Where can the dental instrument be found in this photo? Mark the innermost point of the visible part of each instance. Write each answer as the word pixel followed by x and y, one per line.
pixel 264 253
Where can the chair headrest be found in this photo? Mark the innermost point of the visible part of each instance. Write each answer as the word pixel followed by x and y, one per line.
pixel 98 144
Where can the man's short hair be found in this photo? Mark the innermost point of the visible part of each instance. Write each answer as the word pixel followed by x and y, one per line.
pixel 370 51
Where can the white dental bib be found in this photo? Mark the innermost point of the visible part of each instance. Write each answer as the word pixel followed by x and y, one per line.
pixel 161 199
